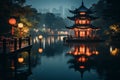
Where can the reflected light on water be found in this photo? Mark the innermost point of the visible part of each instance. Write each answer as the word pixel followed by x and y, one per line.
pixel 114 51
pixel 35 40
pixel 82 59
pixel 40 50
pixel 82 67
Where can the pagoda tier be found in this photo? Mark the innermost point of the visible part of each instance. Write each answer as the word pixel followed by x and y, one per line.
pixel 82 27
pixel 82 17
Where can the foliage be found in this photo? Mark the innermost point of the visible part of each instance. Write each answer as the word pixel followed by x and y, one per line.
pixel 16 9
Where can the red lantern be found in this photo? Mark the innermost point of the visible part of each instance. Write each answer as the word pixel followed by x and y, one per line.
pixel 12 21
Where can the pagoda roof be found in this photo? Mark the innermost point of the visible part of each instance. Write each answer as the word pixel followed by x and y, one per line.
pixel 79 26
pixel 80 17
pixel 82 8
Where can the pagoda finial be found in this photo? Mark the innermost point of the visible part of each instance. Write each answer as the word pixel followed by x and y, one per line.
pixel 82 3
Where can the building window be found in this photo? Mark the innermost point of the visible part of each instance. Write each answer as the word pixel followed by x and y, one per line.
pixel 82 34
pixel 82 13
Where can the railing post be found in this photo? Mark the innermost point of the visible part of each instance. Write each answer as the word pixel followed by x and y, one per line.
pixel 29 40
pixel 15 44
pixel 20 42
pixel 4 45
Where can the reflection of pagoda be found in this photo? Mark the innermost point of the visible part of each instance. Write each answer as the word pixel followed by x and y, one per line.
pixel 83 30
pixel 83 55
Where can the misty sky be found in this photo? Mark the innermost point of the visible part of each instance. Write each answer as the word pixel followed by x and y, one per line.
pixel 49 4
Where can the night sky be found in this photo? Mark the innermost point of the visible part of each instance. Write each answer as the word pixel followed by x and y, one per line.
pixel 49 4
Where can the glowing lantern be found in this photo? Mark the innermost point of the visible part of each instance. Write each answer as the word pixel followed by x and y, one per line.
pixel 20 25
pixel 12 21
pixel 82 67
pixel 40 37
pixel 20 60
pixel 40 50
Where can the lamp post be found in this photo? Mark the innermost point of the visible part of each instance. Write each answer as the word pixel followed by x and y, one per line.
pixel 20 26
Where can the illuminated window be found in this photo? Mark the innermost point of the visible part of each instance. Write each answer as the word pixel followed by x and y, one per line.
pixel 88 21
pixel 82 21
pixel 82 34
pixel 77 21
pixel 76 33
pixel 82 13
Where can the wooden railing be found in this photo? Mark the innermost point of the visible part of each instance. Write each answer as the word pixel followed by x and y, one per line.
pixel 13 44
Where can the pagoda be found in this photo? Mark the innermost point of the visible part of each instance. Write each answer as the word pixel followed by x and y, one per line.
pixel 83 29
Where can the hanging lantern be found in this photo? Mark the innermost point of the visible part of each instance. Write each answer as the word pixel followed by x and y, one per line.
pixel 12 21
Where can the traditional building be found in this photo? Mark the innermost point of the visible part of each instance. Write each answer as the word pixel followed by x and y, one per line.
pixel 83 29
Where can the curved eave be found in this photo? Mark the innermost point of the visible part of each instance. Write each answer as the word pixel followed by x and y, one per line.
pixel 71 27
pixel 71 18
pixel 73 12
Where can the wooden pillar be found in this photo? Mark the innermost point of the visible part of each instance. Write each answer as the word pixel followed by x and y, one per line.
pixel 29 41
pixel 15 44
pixel 20 42
pixel 78 34
pixel 4 46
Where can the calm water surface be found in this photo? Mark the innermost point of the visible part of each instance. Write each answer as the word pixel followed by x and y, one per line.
pixel 56 60
pixel 52 59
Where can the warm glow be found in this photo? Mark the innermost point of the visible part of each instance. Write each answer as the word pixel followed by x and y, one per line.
pixel 82 59
pixel 76 53
pixel 82 67
pixel 88 22
pixel 82 49
pixel 12 21
pixel 77 21
pixel 88 52
pixel 26 30
pixel 82 34
pixel 96 52
pixel 76 33
pixel 20 25
pixel 80 21
pixel 83 21
pixel 40 36
pixel 114 51
pixel 40 50
pixel 82 13
pixel 88 32
pixel 20 60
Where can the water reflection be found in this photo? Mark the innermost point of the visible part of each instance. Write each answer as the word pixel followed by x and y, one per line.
pixel 83 55
pixel 16 66
pixel 51 59
pixel 104 60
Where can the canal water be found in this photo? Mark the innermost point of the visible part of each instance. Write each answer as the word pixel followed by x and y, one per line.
pixel 52 59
